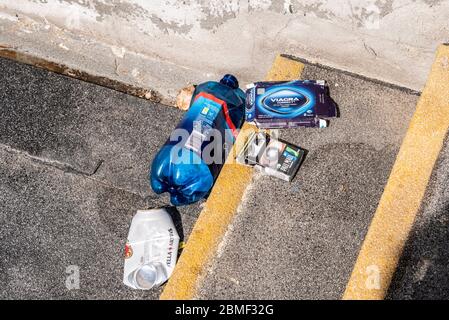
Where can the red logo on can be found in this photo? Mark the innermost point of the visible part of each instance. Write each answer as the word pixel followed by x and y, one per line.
pixel 128 251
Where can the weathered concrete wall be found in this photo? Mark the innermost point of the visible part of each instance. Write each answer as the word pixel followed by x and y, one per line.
pixel 392 40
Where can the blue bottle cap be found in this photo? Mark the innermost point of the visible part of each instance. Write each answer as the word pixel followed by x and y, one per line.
pixel 230 81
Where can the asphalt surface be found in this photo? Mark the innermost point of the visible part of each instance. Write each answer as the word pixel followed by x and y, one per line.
pixel 423 271
pixel 74 161
pixel 73 170
pixel 300 240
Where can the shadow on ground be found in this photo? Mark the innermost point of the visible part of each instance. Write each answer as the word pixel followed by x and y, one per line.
pixel 423 271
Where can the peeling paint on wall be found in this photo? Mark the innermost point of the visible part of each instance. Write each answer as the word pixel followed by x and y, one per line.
pixel 183 17
pixel 357 33
pixel 167 26
pixel 123 9
pixel 432 3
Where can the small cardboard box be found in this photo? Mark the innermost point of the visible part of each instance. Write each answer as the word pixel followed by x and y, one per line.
pixel 277 105
pixel 274 157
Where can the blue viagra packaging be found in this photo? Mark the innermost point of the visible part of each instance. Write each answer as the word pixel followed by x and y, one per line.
pixel 277 105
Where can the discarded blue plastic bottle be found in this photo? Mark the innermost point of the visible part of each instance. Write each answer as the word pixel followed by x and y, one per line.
pixel 190 161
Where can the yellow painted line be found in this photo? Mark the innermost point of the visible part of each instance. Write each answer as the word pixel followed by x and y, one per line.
pixel 285 69
pixel 405 189
pixel 220 207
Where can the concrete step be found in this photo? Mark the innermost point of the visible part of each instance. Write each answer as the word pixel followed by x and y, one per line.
pixel 423 272
pixel 74 161
pixel 300 240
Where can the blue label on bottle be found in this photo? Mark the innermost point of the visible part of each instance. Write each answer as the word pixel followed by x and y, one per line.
pixel 206 130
